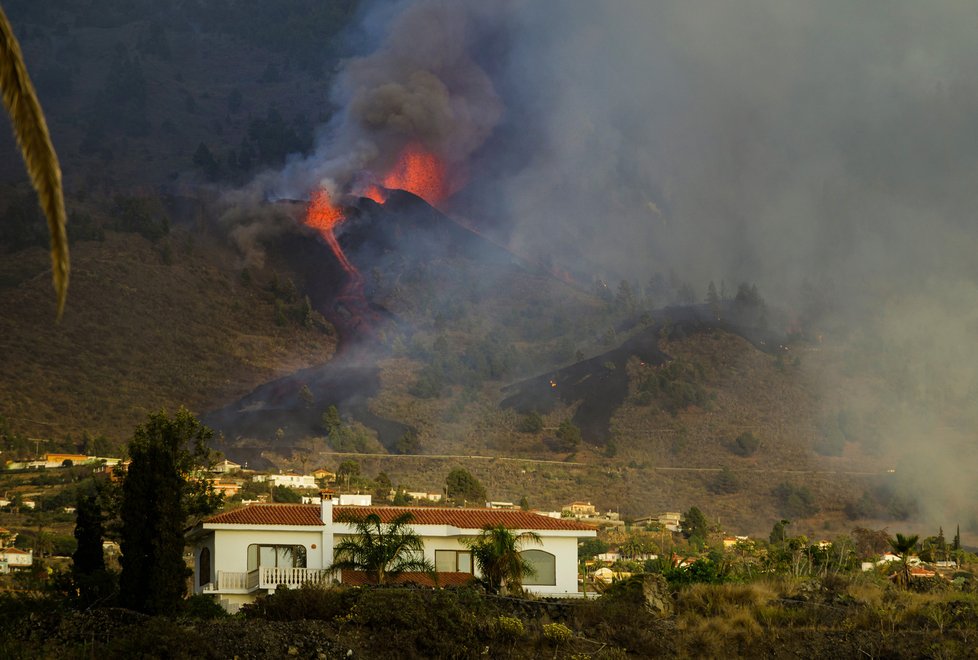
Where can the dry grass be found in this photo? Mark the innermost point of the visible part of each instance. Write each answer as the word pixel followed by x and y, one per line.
pixel 139 335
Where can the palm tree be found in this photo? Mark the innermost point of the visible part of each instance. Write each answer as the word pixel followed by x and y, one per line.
pixel 496 551
pixel 903 546
pixel 382 550
pixel 35 145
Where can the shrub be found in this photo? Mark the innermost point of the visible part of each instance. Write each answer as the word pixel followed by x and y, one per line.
pixel 557 633
pixel 532 422
pixel 724 483
pixel 746 444
pixel 306 602
pixel 796 501
pixel 203 607
pixel 510 627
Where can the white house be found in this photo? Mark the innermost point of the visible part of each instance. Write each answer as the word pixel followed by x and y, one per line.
pixel 226 467
pixel 15 558
pixel 423 495
pixel 288 480
pixel 247 552
pixel 346 499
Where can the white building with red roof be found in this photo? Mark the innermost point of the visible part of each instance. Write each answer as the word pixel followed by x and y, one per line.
pixel 247 552
pixel 15 558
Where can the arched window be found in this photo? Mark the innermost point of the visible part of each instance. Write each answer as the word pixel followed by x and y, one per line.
pixel 204 566
pixel 544 568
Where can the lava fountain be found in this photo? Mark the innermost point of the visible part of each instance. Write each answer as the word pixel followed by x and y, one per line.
pixel 420 172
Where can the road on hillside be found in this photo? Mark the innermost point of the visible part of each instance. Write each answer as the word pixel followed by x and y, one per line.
pixel 537 461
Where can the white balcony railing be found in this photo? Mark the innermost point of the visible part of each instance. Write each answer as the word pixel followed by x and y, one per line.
pixel 265 577
pixel 272 577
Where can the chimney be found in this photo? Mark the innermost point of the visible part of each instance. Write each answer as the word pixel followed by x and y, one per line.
pixel 326 506
pixel 326 515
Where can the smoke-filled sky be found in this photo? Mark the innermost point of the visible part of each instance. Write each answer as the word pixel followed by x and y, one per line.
pixel 770 141
pixel 762 140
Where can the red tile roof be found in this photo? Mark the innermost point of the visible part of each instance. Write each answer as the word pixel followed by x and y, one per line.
pixel 308 515
pixel 360 578
pixel 464 518
pixel 270 514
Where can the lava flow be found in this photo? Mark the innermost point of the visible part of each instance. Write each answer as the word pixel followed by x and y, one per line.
pixel 323 216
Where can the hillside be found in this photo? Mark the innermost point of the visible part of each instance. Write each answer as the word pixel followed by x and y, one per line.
pixel 143 331
pixel 568 374
pixel 466 341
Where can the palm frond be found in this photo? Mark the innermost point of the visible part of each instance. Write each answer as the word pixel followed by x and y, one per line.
pixel 34 141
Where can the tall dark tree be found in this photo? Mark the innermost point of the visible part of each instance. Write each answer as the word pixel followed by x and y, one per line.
pixel 695 527
pixel 88 560
pixel 462 487
pixel 779 533
pixel 159 493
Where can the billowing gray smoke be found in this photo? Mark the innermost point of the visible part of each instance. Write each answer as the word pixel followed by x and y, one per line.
pixel 832 143
pixel 419 86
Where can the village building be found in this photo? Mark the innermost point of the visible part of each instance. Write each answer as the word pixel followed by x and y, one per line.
pixel 670 521
pixel 322 474
pixel 247 552
pixel 580 509
pixel 226 467
pixel 225 487
pixel 422 495
pixel 289 480
pixel 15 558
pixel 342 499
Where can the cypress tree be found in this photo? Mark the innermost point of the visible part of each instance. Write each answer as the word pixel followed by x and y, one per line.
pixel 158 494
pixel 88 561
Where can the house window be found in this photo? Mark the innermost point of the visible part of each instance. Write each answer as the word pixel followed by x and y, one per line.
pixel 280 556
pixel 453 561
pixel 544 568
pixel 204 566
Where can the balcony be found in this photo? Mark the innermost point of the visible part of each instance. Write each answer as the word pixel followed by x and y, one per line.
pixel 267 578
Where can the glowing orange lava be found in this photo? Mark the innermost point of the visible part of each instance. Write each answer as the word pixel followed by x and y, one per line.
pixel 376 193
pixel 322 215
pixel 420 172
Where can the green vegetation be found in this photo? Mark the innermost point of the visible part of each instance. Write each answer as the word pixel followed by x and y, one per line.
pixel 382 550
pixel 496 551
pixel 675 386
pixel 461 487
pixel 795 501
pixel 746 444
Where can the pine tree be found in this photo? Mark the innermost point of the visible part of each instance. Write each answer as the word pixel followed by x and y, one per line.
pixel 158 494
pixel 956 543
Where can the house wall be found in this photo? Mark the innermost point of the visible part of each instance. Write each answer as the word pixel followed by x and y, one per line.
pixel 230 550
pixel 563 548
pixel 17 558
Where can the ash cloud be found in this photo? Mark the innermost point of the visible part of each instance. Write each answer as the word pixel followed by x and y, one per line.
pixel 420 85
